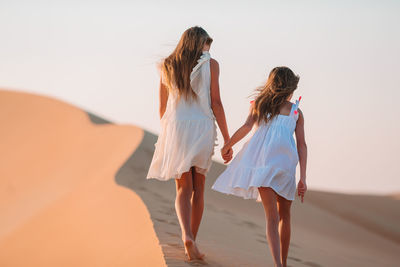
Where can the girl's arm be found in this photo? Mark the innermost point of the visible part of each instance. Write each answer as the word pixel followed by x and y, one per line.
pixel 216 103
pixel 302 151
pixel 163 98
pixel 241 132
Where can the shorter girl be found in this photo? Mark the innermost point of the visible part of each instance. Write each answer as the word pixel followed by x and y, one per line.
pixel 265 168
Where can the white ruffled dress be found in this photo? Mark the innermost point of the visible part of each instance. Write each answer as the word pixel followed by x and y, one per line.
pixel 268 159
pixel 188 130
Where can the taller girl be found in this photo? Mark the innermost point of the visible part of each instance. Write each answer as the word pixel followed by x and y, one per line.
pixel 189 105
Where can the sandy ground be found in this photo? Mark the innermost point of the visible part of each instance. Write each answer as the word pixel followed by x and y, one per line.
pixel 59 203
pixel 329 229
pixel 98 209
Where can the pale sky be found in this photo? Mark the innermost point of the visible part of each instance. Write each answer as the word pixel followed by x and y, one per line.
pixel 101 56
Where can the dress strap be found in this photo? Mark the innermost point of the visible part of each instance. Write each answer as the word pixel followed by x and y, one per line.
pixel 203 58
pixel 195 77
pixel 296 107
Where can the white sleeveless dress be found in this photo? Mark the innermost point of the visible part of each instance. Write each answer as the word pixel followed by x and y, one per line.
pixel 268 159
pixel 188 131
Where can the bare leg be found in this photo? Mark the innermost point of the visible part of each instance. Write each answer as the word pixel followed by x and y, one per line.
pixel 184 187
pixel 197 201
pixel 284 227
pixel 268 197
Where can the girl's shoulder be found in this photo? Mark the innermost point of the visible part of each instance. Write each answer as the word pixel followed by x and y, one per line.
pixel 214 63
pixel 214 67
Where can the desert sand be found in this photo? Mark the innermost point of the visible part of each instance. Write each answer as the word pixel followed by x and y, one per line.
pixel 59 203
pixel 74 193
pixel 328 229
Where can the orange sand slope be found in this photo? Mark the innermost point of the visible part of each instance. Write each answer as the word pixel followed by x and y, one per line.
pixel 59 203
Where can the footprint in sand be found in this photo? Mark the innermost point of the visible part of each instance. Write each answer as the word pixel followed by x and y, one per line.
pixel 173 234
pixel 167 211
pixel 261 236
pixel 295 259
pixel 165 221
pixel 197 262
pixel 307 263
pixel 312 264
pixel 262 241
pixel 249 224
pixel 175 245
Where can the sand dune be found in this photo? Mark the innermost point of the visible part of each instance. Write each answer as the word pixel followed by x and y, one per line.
pixel 73 193
pixel 59 204
pixel 395 196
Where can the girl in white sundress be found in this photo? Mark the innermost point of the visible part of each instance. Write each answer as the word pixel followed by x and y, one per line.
pixel 189 105
pixel 265 167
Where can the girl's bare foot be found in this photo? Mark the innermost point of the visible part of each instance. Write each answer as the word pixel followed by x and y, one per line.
pixel 192 251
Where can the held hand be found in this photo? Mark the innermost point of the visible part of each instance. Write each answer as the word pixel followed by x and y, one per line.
pixel 227 157
pixel 226 153
pixel 301 189
pixel 224 150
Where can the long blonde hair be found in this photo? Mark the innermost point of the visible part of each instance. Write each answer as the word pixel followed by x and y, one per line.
pixel 177 67
pixel 280 85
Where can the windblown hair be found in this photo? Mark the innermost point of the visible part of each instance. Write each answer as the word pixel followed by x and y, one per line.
pixel 177 67
pixel 280 85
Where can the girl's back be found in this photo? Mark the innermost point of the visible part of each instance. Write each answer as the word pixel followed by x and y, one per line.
pixel 277 140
